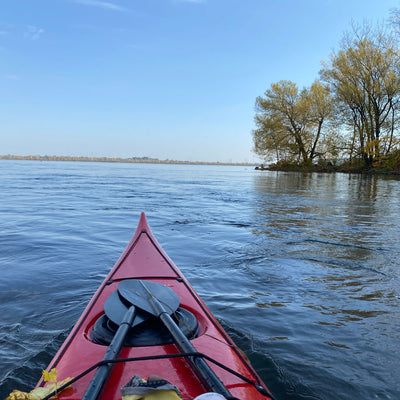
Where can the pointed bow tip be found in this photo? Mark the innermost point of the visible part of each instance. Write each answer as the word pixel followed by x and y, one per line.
pixel 143 225
pixel 142 217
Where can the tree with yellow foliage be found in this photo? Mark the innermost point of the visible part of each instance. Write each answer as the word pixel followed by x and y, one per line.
pixel 364 76
pixel 290 122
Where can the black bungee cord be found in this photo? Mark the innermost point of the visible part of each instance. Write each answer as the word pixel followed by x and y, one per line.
pixel 259 388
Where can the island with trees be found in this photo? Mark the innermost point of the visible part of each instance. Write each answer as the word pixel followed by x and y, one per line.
pixel 348 119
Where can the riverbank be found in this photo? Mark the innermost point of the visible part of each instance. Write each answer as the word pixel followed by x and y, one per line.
pixel 147 160
pixel 392 168
pixel 365 171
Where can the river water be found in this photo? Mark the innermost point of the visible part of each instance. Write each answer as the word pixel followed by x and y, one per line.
pixel 301 269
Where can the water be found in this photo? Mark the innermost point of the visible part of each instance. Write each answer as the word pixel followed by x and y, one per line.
pixel 301 269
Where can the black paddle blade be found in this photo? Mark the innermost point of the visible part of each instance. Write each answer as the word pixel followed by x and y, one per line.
pixel 139 293
pixel 115 310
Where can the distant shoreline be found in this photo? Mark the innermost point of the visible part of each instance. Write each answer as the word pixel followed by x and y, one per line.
pixel 133 160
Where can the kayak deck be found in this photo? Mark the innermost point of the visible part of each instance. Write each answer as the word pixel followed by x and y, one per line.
pixel 144 259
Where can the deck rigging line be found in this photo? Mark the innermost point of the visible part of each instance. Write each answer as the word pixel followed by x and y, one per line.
pixel 160 357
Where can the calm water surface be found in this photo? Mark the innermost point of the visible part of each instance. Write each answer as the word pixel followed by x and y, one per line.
pixel 301 269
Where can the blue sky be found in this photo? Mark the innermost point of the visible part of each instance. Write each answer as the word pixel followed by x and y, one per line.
pixel 171 79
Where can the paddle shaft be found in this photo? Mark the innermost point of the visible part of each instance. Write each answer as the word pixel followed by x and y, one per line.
pixel 102 373
pixel 202 369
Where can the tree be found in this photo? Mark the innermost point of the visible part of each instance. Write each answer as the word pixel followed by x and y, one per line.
pixel 364 78
pixel 290 122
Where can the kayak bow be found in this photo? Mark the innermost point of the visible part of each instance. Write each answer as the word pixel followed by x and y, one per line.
pixel 133 326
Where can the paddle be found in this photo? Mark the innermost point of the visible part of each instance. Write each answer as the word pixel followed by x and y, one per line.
pixel 115 309
pixel 126 318
pixel 145 295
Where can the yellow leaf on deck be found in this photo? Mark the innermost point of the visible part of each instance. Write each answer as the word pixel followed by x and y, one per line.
pixel 38 393
pixel 50 376
pixel 17 395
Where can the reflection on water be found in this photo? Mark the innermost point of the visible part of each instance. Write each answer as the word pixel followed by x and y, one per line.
pixel 332 256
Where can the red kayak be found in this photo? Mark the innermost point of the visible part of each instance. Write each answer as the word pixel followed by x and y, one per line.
pixel 146 319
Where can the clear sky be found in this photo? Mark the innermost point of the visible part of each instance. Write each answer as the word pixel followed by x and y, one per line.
pixel 170 79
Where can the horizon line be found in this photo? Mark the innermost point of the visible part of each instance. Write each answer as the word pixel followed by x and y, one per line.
pixel 133 160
